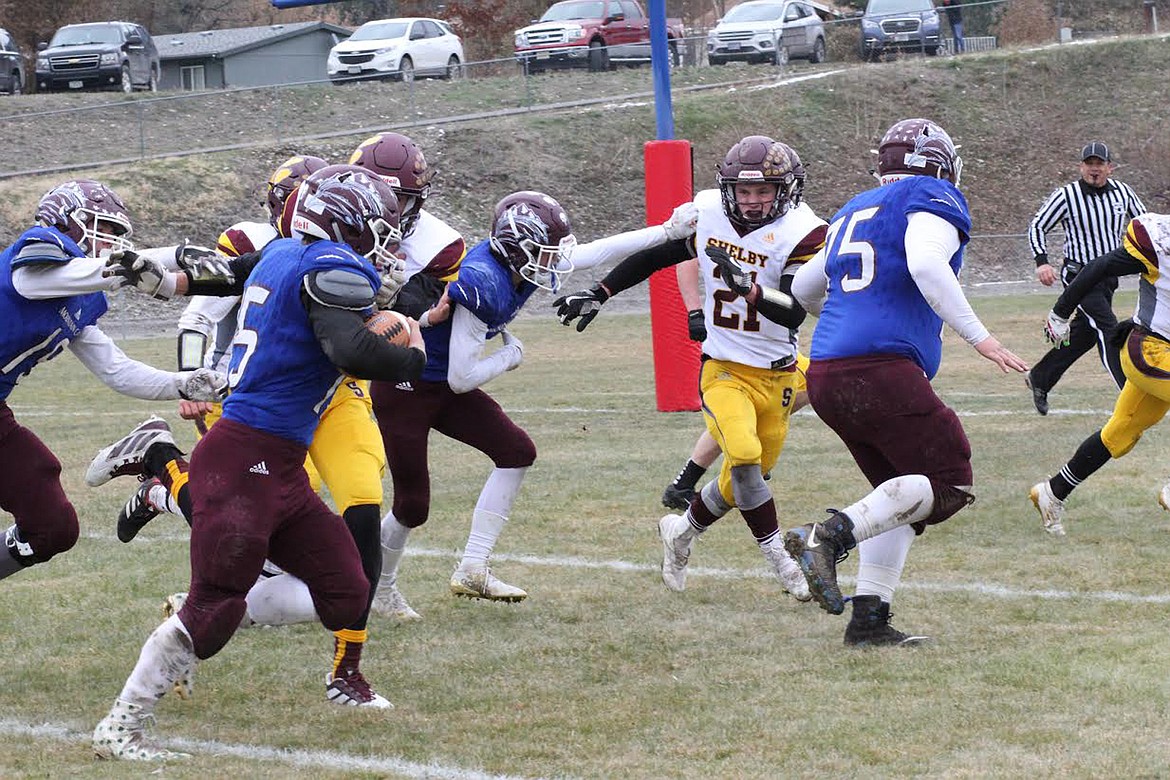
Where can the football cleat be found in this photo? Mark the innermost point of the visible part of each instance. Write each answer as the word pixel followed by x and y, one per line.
pixel 122 735
pixel 124 457
pixel 184 687
pixel 817 552
pixel 352 690
pixel 870 626
pixel 676 551
pixel 675 497
pixel 1039 397
pixel 478 582
pixel 140 509
pixel 789 573
pixel 389 602
pixel 1050 507
pixel 1164 497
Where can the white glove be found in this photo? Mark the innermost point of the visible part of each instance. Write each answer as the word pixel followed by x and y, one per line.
pixel 202 384
pixel 393 280
pixel 512 341
pixel 682 222
pixel 142 273
pixel 1056 330
pixel 204 264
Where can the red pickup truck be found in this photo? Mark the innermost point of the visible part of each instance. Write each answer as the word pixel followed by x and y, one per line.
pixel 591 33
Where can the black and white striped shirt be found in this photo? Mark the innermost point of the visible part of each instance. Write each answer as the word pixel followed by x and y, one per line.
pixel 1093 219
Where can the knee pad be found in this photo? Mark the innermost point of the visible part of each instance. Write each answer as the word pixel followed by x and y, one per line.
pixel 947 501
pixel 411 507
pixel 210 626
pixel 712 499
pixel 519 453
pixel 747 484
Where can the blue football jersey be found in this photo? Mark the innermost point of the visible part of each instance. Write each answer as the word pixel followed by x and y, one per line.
pixel 485 288
pixel 873 305
pixel 35 331
pixel 281 381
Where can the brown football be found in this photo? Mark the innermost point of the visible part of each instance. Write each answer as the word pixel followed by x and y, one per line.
pixel 391 325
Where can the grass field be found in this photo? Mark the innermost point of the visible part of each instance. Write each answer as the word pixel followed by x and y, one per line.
pixel 1049 661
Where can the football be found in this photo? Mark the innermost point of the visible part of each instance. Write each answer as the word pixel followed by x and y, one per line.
pixel 391 325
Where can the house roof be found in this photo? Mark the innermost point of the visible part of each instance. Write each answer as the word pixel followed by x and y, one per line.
pixel 221 43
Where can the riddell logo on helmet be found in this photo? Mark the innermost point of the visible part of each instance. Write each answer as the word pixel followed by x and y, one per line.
pixel 393 181
pixel 757 175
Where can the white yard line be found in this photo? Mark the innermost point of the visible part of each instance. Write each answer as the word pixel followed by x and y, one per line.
pixel 328 760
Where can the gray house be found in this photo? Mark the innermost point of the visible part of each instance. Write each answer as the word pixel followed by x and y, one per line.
pixel 247 56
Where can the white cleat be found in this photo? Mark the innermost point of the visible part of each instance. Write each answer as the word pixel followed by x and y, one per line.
pixel 1050 507
pixel 352 690
pixel 787 570
pixel 676 551
pixel 124 457
pixel 1164 497
pixel 122 735
pixel 478 582
pixel 389 602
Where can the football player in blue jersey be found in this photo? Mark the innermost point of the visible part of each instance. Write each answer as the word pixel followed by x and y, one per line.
pixel 302 331
pixel 52 292
pixel 883 286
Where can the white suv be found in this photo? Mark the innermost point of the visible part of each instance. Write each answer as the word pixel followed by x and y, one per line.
pixel 398 48
pixel 767 31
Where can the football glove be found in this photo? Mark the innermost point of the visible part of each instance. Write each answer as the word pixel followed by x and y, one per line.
pixel 682 222
pixel 696 325
pixel 142 273
pixel 581 306
pixel 393 280
pixel 738 279
pixel 1056 330
pixel 203 264
pixel 202 384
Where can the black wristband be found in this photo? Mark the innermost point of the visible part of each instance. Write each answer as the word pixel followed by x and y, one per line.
pixel 1041 259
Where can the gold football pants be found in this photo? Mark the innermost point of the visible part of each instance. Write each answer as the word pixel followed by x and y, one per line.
pixel 1145 398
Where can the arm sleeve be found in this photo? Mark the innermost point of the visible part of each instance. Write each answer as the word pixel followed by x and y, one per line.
pixel 467 367
pixel 687 274
pixel 779 306
pixel 617 247
pixel 81 275
pixel 1136 207
pixel 931 242
pixel 359 352
pixel 1119 262
pixel 105 360
pixel 810 285
pixel 1049 216
pixel 241 266
pixel 639 266
pixel 421 292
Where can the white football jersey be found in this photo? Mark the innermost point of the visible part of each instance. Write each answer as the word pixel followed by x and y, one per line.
pixel 1148 239
pixel 430 236
pixel 736 332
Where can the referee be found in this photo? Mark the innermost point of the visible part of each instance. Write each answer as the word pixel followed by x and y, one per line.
pixel 1093 213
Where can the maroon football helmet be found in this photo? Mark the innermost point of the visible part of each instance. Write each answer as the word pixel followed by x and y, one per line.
pixel 755 159
pixel 349 205
pixel 284 180
pixel 531 232
pixel 918 147
pixel 399 161
pixel 88 212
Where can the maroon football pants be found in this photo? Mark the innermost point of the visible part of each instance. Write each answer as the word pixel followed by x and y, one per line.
pixel 30 490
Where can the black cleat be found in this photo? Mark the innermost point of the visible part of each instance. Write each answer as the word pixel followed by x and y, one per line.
pixel 138 510
pixel 817 548
pixel 1039 396
pixel 870 626
pixel 675 497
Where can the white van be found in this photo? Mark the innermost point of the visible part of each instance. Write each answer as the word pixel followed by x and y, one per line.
pixel 767 31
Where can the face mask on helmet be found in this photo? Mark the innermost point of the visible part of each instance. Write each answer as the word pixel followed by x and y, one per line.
pixel 532 233
pixel 284 181
pixel 348 205
pixel 918 147
pixel 399 161
pixel 88 212
pixel 758 159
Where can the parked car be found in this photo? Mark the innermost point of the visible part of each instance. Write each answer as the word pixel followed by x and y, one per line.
pixel 767 31
pixel 592 33
pixel 102 55
pixel 907 25
pixel 11 64
pixel 398 48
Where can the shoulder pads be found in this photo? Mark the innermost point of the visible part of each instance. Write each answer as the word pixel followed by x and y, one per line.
pixel 41 252
pixel 340 289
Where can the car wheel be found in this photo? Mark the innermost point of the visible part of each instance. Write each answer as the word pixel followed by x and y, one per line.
pixel 598 57
pixel 406 70
pixel 127 84
pixel 17 85
pixel 153 85
pixel 932 51
pixel 818 52
pixel 454 69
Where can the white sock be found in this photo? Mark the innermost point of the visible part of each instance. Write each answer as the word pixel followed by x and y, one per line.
pixel 394 536
pixel 161 498
pixel 895 502
pixel 166 656
pixel 280 601
pixel 881 560
pixel 491 513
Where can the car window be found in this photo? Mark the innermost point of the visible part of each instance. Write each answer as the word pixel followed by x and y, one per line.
pixel 631 10
pixel 377 31
pixel 588 9
pixel 6 42
pixel 793 13
pixel 614 8
pixel 754 12
pixel 882 7
pixel 85 34
pixel 445 28
pixel 433 30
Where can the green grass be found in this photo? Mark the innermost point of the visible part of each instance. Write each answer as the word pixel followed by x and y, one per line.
pixel 604 673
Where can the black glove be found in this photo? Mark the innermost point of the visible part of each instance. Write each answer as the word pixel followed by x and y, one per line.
pixel 203 264
pixel 582 306
pixel 133 270
pixel 696 325
pixel 734 275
